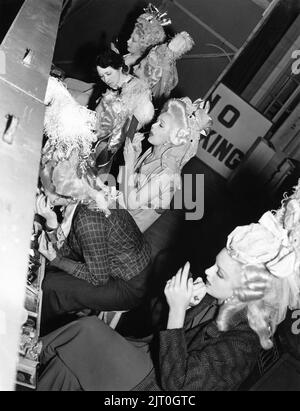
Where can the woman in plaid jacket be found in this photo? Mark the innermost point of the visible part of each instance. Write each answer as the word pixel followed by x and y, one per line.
pixel 255 279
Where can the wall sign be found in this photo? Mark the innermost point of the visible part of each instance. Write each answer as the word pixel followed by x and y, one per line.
pixel 237 125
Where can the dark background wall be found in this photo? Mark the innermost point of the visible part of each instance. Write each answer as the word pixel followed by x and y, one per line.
pixel 89 23
pixel 8 12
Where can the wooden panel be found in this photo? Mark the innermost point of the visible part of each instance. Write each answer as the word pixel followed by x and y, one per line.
pixel 22 90
pixel 18 177
pixel 28 137
pixel 29 46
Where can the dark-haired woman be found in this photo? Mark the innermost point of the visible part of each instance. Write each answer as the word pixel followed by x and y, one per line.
pixel 127 98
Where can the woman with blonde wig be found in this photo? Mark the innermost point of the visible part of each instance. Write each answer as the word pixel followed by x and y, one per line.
pixel 214 330
pixel 152 178
pixel 148 32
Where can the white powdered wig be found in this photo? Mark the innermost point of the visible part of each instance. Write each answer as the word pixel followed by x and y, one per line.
pixel 66 122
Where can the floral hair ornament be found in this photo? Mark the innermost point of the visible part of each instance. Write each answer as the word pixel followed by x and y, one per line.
pixel 152 13
pixel 192 119
pixel 269 253
pixel 263 244
pixel 198 115
pixel 273 243
pixel 283 265
pixel 193 116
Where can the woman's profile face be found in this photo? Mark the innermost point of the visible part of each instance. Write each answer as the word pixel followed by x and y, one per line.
pixel 110 76
pixel 223 277
pixel 161 130
pixel 134 43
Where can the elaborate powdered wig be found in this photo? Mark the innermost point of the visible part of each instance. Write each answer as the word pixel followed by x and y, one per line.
pixel 150 27
pixel 190 120
pixel 258 295
pixel 269 254
pixel 159 69
pixel 70 129
pixel 67 124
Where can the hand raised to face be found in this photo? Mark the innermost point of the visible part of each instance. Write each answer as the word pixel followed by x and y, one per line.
pixel 46 248
pixel 179 290
pixel 43 208
pixel 199 291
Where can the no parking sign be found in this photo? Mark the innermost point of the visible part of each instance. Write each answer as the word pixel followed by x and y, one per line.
pixel 236 126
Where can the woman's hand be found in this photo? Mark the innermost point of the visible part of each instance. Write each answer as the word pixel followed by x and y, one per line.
pixel 129 153
pixel 137 142
pixel 179 292
pixel 43 208
pixel 132 149
pixel 114 48
pixel 46 248
pixel 199 291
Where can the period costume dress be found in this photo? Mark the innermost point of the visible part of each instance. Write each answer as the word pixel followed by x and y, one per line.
pixel 70 163
pixel 158 68
pixel 70 130
pixel 148 32
pixel 162 174
pixel 115 112
pixel 151 172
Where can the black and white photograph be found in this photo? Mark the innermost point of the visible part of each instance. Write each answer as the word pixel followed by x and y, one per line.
pixel 149 198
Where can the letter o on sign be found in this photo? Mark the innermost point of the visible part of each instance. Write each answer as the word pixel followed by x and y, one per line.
pixel 229 116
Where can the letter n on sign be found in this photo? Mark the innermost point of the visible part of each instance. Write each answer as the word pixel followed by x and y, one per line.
pixel 236 127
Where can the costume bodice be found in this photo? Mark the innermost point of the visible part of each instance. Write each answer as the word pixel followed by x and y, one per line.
pixel 145 170
pixel 116 106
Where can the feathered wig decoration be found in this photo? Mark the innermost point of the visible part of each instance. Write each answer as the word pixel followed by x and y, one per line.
pixel 70 129
pixel 181 44
pixel 67 124
pixel 152 13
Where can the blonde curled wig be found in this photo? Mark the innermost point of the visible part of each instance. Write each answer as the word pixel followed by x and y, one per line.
pixel 150 27
pixel 259 295
pixel 190 119
pixel 269 255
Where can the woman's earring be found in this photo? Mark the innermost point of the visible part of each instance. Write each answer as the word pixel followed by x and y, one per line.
pixel 228 300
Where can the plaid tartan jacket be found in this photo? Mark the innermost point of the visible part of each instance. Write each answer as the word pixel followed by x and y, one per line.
pixel 100 247
pixel 201 358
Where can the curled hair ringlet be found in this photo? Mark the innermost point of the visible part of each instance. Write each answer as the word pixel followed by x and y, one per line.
pixel 269 256
pixel 253 297
pixel 187 117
